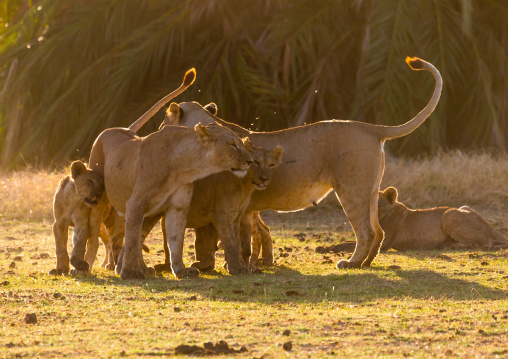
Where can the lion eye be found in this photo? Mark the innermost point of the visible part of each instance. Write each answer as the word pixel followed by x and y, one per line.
pixel 272 165
pixel 89 181
pixel 234 146
pixel 256 163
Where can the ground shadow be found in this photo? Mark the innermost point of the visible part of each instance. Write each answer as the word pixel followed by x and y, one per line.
pixel 283 284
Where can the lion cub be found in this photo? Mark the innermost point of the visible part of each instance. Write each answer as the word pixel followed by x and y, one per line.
pixel 434 228
pixel 217 210
pixel 75 194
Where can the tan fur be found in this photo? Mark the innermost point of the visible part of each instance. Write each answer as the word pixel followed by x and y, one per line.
pixel 261 241
pixel 434 228
pixel 220 200
pixel 71 209
pixel 147 176
pixel 344 156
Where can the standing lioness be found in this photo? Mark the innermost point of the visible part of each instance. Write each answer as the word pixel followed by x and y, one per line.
pixel 344 156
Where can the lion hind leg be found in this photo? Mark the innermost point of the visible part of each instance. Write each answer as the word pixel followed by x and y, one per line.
pixel 266 242
pixel 357 209
pixel 469 230
pixel 256 242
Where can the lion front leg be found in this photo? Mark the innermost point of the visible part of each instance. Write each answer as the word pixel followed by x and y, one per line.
pixel 60 232
pixel 95 220
pixel 205 246
pixel 175 223
pixel 231 243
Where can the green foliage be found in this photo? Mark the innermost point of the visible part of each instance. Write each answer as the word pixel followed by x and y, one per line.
pixel 84 66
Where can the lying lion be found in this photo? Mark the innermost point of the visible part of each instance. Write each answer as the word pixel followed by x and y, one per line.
pixel 147 176
pixel 218 205
pixel 434 228
pixel 71 207
pixel 344 156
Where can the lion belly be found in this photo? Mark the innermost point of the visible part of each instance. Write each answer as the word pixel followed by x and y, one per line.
pixel 289 199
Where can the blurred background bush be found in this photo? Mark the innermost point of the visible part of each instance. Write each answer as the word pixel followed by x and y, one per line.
pixel 70 69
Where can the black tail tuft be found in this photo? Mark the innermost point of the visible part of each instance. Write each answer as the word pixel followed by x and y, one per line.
pixel 415 63
pixel 189 77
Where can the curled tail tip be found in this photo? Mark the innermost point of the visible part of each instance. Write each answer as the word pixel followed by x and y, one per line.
pixel 189 77
pixel 415 63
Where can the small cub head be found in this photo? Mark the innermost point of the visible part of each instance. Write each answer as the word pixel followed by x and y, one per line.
pixel 264 163
pixel 386 202
pixel 89 184
pixel 225 149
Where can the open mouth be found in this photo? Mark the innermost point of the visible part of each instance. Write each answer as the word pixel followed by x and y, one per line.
pixel 259 186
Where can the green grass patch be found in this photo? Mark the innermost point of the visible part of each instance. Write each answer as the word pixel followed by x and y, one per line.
pixel 425 304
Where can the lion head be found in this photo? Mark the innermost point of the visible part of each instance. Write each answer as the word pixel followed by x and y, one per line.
pixel 89 184
pixel 387 202
pixel 264 163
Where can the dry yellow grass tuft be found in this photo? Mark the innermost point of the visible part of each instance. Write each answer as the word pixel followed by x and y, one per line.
pixel 450 179
pixel 28 194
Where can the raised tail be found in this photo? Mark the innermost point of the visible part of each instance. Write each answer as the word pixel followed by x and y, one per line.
pixel 389 132
pixel 188 80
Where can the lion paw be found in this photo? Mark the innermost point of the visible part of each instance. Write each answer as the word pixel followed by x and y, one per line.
pixel 344 264
pixel 136 273
pixel 268 261
pixel 58 271
pixel 110 266
pixel 187 273
pixel 79 272
pixel 149 270
pixel 202 266
pixel 80 265
pixel 254 270
pixel 238 270
pixel 165 267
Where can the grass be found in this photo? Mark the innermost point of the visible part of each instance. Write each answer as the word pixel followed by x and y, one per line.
pixel 414 304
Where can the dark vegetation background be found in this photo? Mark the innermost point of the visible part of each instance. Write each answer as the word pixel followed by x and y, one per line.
pixel 70 69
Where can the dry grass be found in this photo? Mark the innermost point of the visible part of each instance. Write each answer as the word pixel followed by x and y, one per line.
pixel 28 194
pixel 451 179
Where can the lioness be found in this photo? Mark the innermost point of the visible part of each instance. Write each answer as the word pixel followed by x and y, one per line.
pixel 434 228
pixel 146 176
pixel 344 156
pixel 71 207
pixel 221 200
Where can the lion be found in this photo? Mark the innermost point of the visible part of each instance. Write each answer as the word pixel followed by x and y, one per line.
pixel 344 156
pixel 433 228
pixel 218 205
pixel 261 242
pixel 147 176
pixel 75 195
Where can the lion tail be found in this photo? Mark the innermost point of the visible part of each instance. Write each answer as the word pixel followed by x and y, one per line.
pixel 389 132
pixel 188 80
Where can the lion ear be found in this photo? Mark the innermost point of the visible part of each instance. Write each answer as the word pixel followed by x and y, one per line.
pixel 174 115
pixel 202 133
pixel 212 108
pixel 247 144
pixel 277 153
pixel 77 169
pixel 391 195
